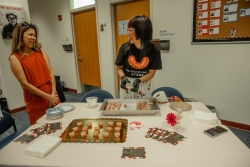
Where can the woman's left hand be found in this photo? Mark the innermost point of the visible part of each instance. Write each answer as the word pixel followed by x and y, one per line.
pixel 53 104
pixel 135 85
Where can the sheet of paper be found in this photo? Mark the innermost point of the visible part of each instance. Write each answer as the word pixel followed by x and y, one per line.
pixel 122 26
pixel 203 15
pixel 247 12
pixel 242 12
pixel 233 33
pixel 214 30
pixel 215 13
pixel 202 23
pixel 202 6
pixel 233 7
pixel 215 22
pixel 216 4
pixel 233 17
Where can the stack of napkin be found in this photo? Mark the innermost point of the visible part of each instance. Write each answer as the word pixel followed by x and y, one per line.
pixel 43 146
pixel 205 118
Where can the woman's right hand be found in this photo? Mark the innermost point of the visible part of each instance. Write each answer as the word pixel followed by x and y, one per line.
pixel 124 81
pixel 53 99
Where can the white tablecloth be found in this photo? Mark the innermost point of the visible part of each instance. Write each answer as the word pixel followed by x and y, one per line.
pixel 197 150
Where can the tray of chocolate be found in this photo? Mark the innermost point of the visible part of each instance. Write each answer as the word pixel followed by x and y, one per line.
pixel 100 130
pixel 129 107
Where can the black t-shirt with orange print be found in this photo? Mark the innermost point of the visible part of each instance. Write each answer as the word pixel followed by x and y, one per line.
pixel 136 65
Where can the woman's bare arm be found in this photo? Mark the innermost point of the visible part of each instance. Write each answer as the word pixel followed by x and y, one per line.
pixel 18 71
pixel 148 76
pixel 120 71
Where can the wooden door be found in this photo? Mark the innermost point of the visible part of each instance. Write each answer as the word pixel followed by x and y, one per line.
pixel 87 47
pixel 124 11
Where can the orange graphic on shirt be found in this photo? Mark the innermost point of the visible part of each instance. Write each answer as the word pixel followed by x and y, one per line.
pixel 138 65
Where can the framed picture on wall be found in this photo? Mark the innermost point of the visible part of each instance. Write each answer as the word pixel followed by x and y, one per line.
pixel 224 19
pixel 10 16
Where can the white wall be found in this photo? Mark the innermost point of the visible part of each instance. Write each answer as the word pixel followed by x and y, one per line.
pixel 8 83
pixel 51 33
pixel 215 74
pixel 107 67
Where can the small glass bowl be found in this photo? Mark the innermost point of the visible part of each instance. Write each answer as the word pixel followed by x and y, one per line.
pixel 92 101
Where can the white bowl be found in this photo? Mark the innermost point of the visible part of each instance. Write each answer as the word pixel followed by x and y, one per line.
pixel 54 113
pixel 67 107
pixel 92 101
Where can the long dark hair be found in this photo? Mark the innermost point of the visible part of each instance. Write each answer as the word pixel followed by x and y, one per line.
pixel 143 31
pixel 17 38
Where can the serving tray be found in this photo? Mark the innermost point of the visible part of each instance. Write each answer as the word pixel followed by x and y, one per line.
pixel 130 108
pixel 89 137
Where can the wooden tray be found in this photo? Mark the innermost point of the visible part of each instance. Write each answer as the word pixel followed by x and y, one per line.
pixel 89 138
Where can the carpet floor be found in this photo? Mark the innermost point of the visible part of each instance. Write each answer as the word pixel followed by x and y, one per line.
pixel 22 123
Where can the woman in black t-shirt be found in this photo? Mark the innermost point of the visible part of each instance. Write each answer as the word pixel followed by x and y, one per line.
pixel 138 59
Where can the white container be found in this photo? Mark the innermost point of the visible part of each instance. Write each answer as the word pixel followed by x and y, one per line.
pixel 92 101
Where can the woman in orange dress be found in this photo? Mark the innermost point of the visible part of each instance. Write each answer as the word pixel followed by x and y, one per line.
pixel 31 66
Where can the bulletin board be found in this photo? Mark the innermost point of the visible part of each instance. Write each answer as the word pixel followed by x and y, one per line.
pixel 221 21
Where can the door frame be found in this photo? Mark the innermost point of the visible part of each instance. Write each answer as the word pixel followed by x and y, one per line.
pixel 112 3
pixel 80 87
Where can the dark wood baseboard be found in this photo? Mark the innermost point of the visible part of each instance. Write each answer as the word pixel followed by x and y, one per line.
pixel 70 90
pixel 235 125
pixel 17 110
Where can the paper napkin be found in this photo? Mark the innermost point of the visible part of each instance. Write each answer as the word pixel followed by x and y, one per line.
pixel 43 146
pixel 205 118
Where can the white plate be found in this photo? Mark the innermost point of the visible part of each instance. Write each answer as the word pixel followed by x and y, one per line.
pixel 67 107
pixel 54 113
pixel 55 117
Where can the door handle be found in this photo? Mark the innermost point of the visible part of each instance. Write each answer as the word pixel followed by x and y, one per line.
pixel 79 58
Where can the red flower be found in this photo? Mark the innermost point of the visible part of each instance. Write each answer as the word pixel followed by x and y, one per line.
pixel 140 92
pixel 171 119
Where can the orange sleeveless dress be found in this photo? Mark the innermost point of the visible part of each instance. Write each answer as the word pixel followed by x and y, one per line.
pixel 37 74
